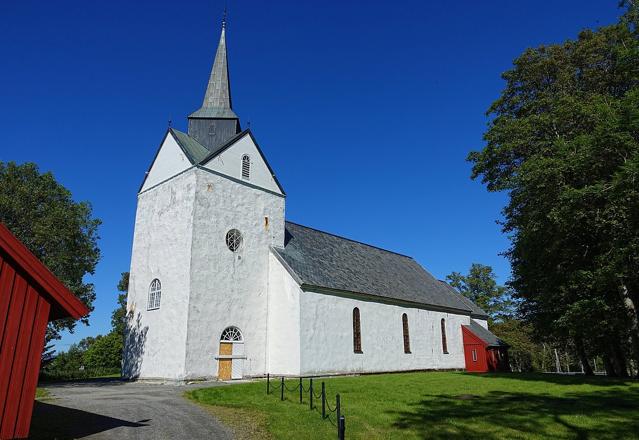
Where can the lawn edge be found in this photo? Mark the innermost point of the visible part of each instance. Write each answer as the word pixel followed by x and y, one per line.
pixel 244 423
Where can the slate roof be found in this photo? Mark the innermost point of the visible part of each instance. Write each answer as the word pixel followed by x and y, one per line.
pixel 195 151
pixel 320 259
pixel 478 312
pixel 485 335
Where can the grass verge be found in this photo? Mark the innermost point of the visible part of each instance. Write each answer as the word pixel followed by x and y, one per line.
pixel 441 406
pixel 42 394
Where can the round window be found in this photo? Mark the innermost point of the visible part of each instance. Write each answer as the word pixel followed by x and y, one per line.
pixel 233 239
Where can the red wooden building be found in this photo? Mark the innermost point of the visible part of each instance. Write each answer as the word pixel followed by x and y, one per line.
pixel 30 297
pixel 483 350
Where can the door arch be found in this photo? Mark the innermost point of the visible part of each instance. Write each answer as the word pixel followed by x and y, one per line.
pixel 231 354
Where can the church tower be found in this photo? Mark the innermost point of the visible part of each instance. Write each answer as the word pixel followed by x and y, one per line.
pixel 210 210
pixel 216 122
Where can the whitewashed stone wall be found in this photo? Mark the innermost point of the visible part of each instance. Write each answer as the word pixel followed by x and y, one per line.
pixel 169 161
pixel 283 321
pixel 327 337
pixel 156 339
pixel 227 288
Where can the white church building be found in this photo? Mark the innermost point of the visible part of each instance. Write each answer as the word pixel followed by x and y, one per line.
pixel 222 286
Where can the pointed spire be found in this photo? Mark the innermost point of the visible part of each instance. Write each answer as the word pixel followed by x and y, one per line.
pixel 218 92
pixel 215 122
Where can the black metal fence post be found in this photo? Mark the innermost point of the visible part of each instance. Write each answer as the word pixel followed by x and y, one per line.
pixel 338 409
pixel 282 389
pixel 301 390
pixel 323 401
pixel 310 396
pixel 341 424
pixel 268 383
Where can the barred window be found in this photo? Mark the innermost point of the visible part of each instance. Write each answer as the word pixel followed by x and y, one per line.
pixel 406 336
pixel 234 240
pixel 444 343
pixel 357 333
pixel 246 167
pixel 155 294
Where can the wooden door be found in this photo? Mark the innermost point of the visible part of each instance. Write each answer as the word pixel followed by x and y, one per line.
pixel 225 365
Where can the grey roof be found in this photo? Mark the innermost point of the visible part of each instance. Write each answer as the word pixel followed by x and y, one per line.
pixel 193 150
pixel 320 259
pixel 485 335
pixel 477 311
pixel 217 99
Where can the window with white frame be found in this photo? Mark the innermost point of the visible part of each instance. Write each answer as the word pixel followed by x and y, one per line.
pixel 474 352
pixel 155 295
pixel 246 167
pixel 231 334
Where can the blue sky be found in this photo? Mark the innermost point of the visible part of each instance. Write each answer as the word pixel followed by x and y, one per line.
pixel 365 109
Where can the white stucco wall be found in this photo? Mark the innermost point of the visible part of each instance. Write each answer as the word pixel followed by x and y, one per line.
pixel 169 161
pixel 155 344
pixel 327 337
pixel 283 321
pixel 229 162
pixel 482 322
pixel 227 288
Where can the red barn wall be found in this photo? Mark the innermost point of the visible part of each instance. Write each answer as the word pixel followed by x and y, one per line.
pixel 472 342
pixel 23 321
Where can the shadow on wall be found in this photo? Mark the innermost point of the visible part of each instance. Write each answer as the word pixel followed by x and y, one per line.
pixel 58 422
pixel 497 415
pixel 134 342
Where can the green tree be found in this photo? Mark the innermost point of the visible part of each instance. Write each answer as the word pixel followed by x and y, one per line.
pixel 563 142
pixel 480 286
pixel 62 233
pixel 118 316
pixel 104 353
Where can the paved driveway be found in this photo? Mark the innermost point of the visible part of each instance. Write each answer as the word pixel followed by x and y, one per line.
pixel 113 409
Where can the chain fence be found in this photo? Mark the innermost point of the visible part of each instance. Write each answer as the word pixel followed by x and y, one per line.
pixel 331 413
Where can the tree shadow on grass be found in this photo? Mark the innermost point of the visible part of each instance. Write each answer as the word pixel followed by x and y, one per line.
pixel 58 422
pixel 605 414
pixel 559 379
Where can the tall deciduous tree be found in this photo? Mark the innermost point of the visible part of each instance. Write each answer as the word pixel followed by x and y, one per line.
pixel 119 314
pixel 62 233
pixel 563 142
pixel 480 286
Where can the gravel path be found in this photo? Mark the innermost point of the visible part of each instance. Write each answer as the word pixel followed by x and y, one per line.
pixel 113 409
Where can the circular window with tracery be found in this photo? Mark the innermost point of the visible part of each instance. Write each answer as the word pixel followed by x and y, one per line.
pixel 233 240
pixel 231 334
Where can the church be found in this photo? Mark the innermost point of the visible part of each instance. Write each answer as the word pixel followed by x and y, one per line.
pixel 223 286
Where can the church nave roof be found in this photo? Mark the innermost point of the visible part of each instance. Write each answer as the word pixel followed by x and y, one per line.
pixel 324 260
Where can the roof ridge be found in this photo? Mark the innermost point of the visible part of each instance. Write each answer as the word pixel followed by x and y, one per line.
pixel 351 240
pixel 224 146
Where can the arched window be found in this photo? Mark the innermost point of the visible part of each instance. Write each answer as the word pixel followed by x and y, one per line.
pixel 444 344
pixel 406 336
pixel 246 167
pixel 357 332
pixel 231 334
pixel 155 295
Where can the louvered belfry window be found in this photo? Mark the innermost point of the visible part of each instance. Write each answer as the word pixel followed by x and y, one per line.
pixel 444 343
pixel 357 332
pixel 246 167
pixel 406 336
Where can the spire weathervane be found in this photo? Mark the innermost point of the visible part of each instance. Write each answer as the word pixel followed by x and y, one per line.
pixel 224 18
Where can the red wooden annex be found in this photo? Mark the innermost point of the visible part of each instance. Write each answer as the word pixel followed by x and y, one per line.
pixel 30 297
pixel 483 350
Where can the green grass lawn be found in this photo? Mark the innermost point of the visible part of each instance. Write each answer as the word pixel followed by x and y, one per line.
pixel 439 406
